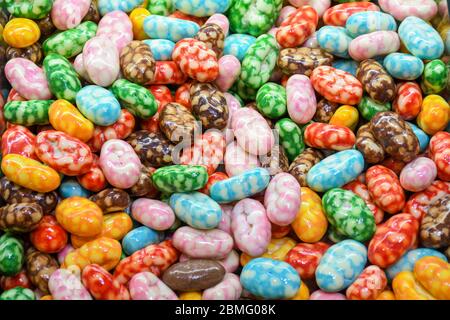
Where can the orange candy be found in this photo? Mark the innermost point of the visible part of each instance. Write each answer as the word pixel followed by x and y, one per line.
pixel 434 275
pixel 21 33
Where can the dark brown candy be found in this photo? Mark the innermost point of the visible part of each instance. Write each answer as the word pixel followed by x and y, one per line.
pixel 395 135
pixel 177 123
pixel 275 161
pixel 93 13
pixel 46 26
pixel 40 267
pixel 376 81
pixel 3 18
pixel 144 187
pixel 20 217
pixel 302 60
pixel 301 165
pixel 33 53
pixel 194 275
pixel 435 225
pixel 366 143
pixel 325 110
pixel 209 105
pixel 137 62
pixel 213 36
pixel 153 148
pixel 111 200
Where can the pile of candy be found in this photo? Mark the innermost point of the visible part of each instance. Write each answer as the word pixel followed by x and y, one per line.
pixel 225 149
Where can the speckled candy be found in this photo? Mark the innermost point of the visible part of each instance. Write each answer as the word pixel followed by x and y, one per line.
pixel 301 99
pixel 137 99
pixel 98 105
pixel 27 113
pixel 180 178
pixel 271 100
pixel 403 66
pixel 334 40
pixel 160 27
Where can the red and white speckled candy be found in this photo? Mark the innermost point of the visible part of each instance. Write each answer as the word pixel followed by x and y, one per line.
pixel 154 214
pixel 418 175
pixel 147 286
pixel 369 284
pixel 229 71
pixel 337 15
pixel 229 288
pixel 337 85
pixel 19 140
pixel 282 199
pixel 120 164
pixel 374 44
pixel 297 27
pixel 284 14
pixel 168 72
pixel 440 153
pixel 117 27
pixel 301 99
pixel 359 188
pixel 408 100
pixel 329 136
pixel 196 60
pixel 237 160
pixel 418 203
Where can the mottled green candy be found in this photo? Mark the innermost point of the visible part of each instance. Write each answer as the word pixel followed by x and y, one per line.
pixel 244 92
pixel 271 100
pixel 259 61
pixel 70 42
pixel 349 214
pixel 27 113
pixel 180 178
pixel 31 9
pixel 435 76
pixel 160 7
pixel 334 235
pixel 253 17
pixel 291 137
pixel 61 77
pixel 137 99
pixel 11 255
pixel 369 108
pixel 18 293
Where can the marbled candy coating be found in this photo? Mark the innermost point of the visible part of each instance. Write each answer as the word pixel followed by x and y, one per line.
pixel 334 40
pixel 237 45
pixel 403 66
pixel 106 6
pixel 301 99
pixel 229 289
pixel 147 286
pixel 69 14
pixel 369 21
pixel 65 285
pixel 238 161
pixel 180 178
pixel 400 9
pixel 203 8
pixel 140 238
pixel 374 44
pixel 160 27
pixel 161 48
pixel 154 214
pixel 117 27
pixel 418 175
pixel 98 105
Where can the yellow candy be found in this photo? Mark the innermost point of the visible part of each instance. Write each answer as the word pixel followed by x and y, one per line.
pixel 434 115
pixel 1 33
pixel 47 297
pixel 194 295
pixel 346 116
pixel 80 216
pixel 103 251
pixel 434 274
pixel 137 17
pixel 66 118
pixel 30 173
pixel 310 224
pixel 21 33
pixel 406 287
pixel 302 293
pixel 115 226
pixel 277 250
pixel 386 295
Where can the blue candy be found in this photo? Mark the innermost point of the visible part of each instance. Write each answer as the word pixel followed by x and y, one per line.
pixel 196 209
pixel 241 186
pixel 349 66
pixel 403 66
pixel 334 40
pixel 270 279
pixel 341 264
pixel 202 8
pixel 237 45
pixel 71 188
pixel 161 49
pixel 423 138
pixel 369 21
pixel 105 6
pixel 409 259
pixel 98 105
pixel 335 170
pixel 139 238
pixel 421 39
pixel 160 27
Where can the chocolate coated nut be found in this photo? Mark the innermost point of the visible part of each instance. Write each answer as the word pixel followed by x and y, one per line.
pixel 435 226
pixel 325 110
pixel 177 123
pixel 33 53
pixel 367 144
pixel 212 35
pixel 302 60
pixel 144 186
pixel 111 200
pixel 137 62
pixel 46 26
pixel 194 275
pixel 275 161
pixel 154 149
pixel 40 267
pixel 376 81
pixel 20 217
pixel 303 163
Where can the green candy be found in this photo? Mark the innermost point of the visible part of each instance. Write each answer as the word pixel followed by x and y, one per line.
pixel 253 17
pixel 259 61
pixel 18 293
pixel 243 91
pixel 11 255
pixel 137 99
pixel 349 214
pixel 369 108
pixel 31 9
pixel 435 76
pixel 291 138
pixel 27 113
pixel 160 7
pixel 69 43
pixel 180 178
pixel 271 100
pixel 334 235
pixel 61 77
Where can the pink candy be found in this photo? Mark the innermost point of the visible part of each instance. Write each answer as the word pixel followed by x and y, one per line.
pixel 322 295
pixel 418 175
pixel 233 105
pixel 301 99
pixel 78 64
pixel 284 13
pixel 374 44
pixel 154 214
pixel 66 285
pixel 229 288
pixel 67 14
pixel 225 222
pixel 319 5
pixel 237 160
pixel 117 27
pixel 221 20
pixel 229 71
pixel 400 9
pixel 230 262
pixel 147 286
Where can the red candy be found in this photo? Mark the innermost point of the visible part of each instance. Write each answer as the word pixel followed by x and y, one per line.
pixel 328 136
pixel 14 96
pixel 213 178
pixel 279 232
pixel 338 15
pixel 168 72
pixel 163 96
pixel 297 27
pixel 360 189
pixel 305 258
pixel 19 140
pixel 19 280
pixel 393 164
pixel 418 203
pixel 183 16
pixel 408 100
pixel 94 180
pixel 102 285
pixel 49 236
pixel 369 284
pixel 440 154
pixel 183 95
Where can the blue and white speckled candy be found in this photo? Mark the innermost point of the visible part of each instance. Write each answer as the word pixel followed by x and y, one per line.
pixel 196 209
pixel 335 170
pixel 161 49
pixel 105 6
pixel 71 188
pixel 241 186
pixel 237 45
pixel 98 105
pixel 270 279
pixel 421 39
pixel 423 138
pixel 139 238
pixel 346 65
pixel 160 27
pixel 369 21
pixel 334 40
pixel 341 264
pixel 409 259
pixel 403 66
pixel 202 8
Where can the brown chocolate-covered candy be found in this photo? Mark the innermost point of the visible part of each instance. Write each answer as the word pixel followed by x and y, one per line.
pixel 209 105
pixel 111 200
pixel 435 225
pixel 40 267
pixel 93 14
pixel 153 148
pixel 213 36
pixel 325 110
pixel 137 62
pixel 33 53
pixel 376 81
pixel 144 187
pixel 194 275
pixel 366 143
pixel 302 60
pixel 395 135
pixel 301 165
pixel 20 217
pixel 177 123
pixel 275 161
pixel 46 26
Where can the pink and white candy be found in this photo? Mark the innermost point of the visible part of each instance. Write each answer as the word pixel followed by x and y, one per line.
pixel 374 44
pixel 67 14
pixel 117 27
pixel 319 5
pixel 154 214
pixel 418 175
pixel 221 20
pixel 225 222
pixel 238 161
pixel 322 295
pixel 229 71
pixel 65 284
pixel 400 9
pixel 147 286
pixel 229 288
pixel 301 99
